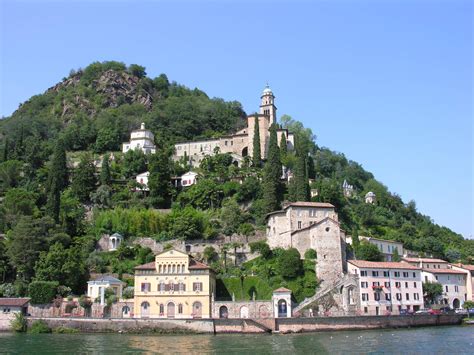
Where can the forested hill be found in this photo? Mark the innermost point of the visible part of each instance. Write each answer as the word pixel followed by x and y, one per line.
pixel 51 147
pixel 96 108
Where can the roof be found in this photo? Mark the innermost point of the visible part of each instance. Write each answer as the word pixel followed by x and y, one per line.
pixel 196 265
pixel 148 266
pixel 445 271
pixel 106 278
pixel 315 224
pixel 383 240
pixel 302 204
pixel 282 289
pixel 14 302
pixel 382 265
pixel 466 267
pixel 425 260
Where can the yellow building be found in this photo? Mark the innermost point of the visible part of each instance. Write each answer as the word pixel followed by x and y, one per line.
pixel 173 286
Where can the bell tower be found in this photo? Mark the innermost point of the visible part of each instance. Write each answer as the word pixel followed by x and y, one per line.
pixel 267 107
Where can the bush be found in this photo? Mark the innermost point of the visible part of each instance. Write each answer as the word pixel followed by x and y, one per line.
pixel 289 263
pixel 18 323
pixel 39 327
pixel 85 302
pixel 7 290
pixel 42 292
pixel 310 254
pixel 246 229
pixel 64 330
pixel 128 293
pixel 262 248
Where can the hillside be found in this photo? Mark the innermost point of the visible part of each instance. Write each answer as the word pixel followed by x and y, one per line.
pixel 53 211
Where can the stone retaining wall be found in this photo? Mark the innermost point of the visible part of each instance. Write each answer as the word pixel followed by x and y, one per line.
pixel 295 325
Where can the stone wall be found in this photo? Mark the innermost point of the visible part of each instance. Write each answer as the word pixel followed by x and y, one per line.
pixel 73 309
pixel 130 325
pixel 243 309
pixel 289 325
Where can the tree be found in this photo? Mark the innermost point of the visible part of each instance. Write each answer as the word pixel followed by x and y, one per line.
pixel 57 179
pixel 262 248
pixel 368 251
pixel 395 256
pixel 256 153
pixel 310 167
pixel 272 190
pixel 137 70
pixel 283 147
pixel 134 163
pixel 432 290
pixel 84 180
pixel 10 173
pixel 301 190
pixel 209 254
pixel 5 149
pixel 42 292
pixel 159 181
pixel 230 217
pixel 105 178
pixel 289 263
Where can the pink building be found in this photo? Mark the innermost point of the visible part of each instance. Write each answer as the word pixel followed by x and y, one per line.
pixel 387 287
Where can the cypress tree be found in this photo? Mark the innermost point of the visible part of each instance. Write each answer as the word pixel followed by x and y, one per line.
pixel 105 171
pixel 302 192
pixel 84 180
pixel 57 179
pixel 257 154
pixel 311 168
pixel 5 149
pixel 159 181
pixel 272 189
pixel 283 146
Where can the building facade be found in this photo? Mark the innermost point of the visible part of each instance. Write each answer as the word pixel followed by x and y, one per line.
pixel 174 286
pixel 454 286
pixel 388 287
pixel 141 139
pixel 386 247
pixel 239 144
pixel 96 288
pixel 310 225
pixel 469 269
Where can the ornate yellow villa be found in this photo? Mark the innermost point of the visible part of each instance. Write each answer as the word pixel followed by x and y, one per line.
pixel 174 286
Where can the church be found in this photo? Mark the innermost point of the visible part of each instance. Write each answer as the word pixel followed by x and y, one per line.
pixel 239 144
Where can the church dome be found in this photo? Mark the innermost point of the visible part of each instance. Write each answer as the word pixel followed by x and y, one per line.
pixel 267 90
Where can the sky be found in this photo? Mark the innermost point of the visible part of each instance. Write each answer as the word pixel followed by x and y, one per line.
pixel 387 83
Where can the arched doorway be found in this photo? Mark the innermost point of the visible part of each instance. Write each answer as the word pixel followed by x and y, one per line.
pixel 170 310
pixel 263 312
pixel 107 313
pixel 282 309
pixel 145 309
pixel 244 312
pixel 223 312
pixel 125 311
pixel 456 303
pixel 197 310
pixel 245 152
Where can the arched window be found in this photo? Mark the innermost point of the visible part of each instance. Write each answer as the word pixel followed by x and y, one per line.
pixel 180 309
pixel 161 286
pixel 171 286
pixel 160 269
pixel 164 269
pixel 174 269
pixel 162 309
pixel 179 269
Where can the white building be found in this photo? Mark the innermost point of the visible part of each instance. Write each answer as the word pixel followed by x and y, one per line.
pixel 141 139
pixel 347 189
pixel 142 179
pixel 370 197
pixel 96 288
pixel 388 287
pixel 281 300
pixel 114 241
pixel 189 179
pixel 386 247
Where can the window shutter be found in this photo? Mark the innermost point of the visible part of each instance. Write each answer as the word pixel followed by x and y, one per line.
pixel 167 287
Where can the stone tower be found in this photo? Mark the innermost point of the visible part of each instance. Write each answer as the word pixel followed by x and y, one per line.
pixel 267 106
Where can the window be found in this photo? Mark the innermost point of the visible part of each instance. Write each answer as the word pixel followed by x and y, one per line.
pixel 407 296
pixel 174 269
pixel 397 273
pixel 365 297
pixel 364 284
pixel 145 287
pixel 366 310
pixel 162 309
pixel 182 287
pixel 388 296
pixel 363 273
pixel 398 284
pixel 375 283
pixel 385 273
pixel 456 288
pixel 197 286
pixel 387 284
pixel 171 286
pixel 161 286
pixel 399 296
pixel 179 269
pixel 405 274
pixel 436 277
pixel 299 224
pixel 160 269
pixel 312 213
pixel 414 274
pixel 406 284
pixel 180 309
pixel 376 296
pixel 447 290
pixel 416 296
pixel 375 273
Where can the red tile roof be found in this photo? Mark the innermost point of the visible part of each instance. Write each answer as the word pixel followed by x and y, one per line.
pixel 466 267
pixel 382 265
pixel 149 266
pixel 445 271
pixel 425 260
pixel 310 204
pixel 14 302
pixel 196 265
pixel 282 289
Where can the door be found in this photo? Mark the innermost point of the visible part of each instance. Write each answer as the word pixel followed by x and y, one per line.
pixel 282 311
pixel 145 309
pixel 170 310
pixel 244 312
pixel 223 312
pixel 197 310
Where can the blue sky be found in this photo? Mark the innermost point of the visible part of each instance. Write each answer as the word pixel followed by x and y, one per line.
pixel 388 83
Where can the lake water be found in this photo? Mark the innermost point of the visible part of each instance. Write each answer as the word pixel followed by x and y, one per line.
pixel 440 340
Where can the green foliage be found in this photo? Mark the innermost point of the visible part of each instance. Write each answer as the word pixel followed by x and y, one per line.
pixel 137 70
pixel 83 180
pixel 19 323
pixel 368 251
pixel 209 254
pixel 289 263
pixel 189 223
pixel 10 174
pixel 42 292
pixel 432 290
pixel 39 327
pixel 396 256
pixel 205 194
pixel 134 163
pixel 468 305
pixel 65 330
pixel 283 147
pixel 105 178
pixel 256 152
pixel 160 179
pixel 57 179
pixel 310 254
pixel 85 302
pixel 262 248
pixel 272 189
pixel 128 293
pixel 7 290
